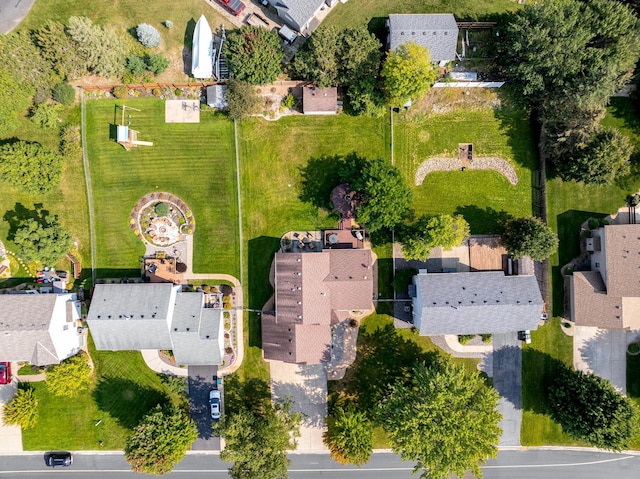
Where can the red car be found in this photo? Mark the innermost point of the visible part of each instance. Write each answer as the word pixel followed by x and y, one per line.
pixel 234 6
pixel 5 373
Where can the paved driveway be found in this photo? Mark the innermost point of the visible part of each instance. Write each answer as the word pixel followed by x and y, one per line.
pixel 307 388
pixel 200 383
pixel 507 379
pixel 10 436
pixel 12 12
pixel 602 352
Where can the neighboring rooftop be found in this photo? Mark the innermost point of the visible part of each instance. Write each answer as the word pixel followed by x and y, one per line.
pixel 437 32
pixel 297 13
pixel 475 303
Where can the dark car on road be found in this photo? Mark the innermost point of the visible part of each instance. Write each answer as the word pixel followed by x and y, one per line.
pixel 58 459
pixel 5 373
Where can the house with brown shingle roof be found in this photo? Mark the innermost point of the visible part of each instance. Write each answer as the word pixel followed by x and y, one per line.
pixel 319 101
pixel 313 292
pixel 608 296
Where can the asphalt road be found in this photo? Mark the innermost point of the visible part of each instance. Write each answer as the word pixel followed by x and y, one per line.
pixel 12 12
pixel 521 464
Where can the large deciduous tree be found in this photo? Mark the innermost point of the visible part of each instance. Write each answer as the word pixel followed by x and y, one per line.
pixel 349 437
pixel 443 417
pixel 320 58
pixel 160 441
pixel 444 231
pixel 529 237
pixel 44 241
pixel 257 441
pixel 30 167
pixel 383 196
pixel 70 377
pixel 407 73
pixel 590 409
pixel 254 55
pixel 605 157
pixel 242 100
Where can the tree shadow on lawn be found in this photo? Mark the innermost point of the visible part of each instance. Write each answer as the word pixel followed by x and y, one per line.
pixel 261 254
pixel 539 370
pixel 483 221
pixel 126 400
pixel 521 130
pixel 19 214
pixel 319 177
pixel 188 43
pixel 568 224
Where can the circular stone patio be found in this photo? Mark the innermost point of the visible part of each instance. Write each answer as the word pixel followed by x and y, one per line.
pixel 164 228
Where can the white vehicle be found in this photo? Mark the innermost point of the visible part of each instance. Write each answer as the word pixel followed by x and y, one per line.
pixel 214 403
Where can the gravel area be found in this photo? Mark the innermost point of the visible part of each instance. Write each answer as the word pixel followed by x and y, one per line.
pixel 450 164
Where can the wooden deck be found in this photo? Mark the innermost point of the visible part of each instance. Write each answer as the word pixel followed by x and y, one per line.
pixel 487 254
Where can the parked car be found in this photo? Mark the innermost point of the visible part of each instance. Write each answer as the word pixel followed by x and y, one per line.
pixel 214 403
pixel 234 6
pixel 525 336
pixel 58 458
pixel 5 373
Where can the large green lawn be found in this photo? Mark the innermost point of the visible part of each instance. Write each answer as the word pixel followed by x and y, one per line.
pixel 570 204
pixel 124 391
pixel 196 162
pixel 480 196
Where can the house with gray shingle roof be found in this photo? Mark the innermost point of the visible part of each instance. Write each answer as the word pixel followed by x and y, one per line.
pixel 39 328
pixel 156 316
pixel 313 292
pixel 298 13
pixel 480 302
pixel 437 32
pixel 608 296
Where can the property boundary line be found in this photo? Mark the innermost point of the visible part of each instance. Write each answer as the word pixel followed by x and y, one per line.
pixel 235 137
pixel 87 179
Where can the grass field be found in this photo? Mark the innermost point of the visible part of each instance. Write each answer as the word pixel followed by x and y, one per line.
pixel 480 196
pixel 125 15
pixel 374 12
pixel 125 390
pixel 548 346
pixel 196 162
pixel 570 204
pixel 69 201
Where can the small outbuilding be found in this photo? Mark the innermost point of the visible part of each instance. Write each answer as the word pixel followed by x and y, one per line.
pixel 217 96
pixel 319 101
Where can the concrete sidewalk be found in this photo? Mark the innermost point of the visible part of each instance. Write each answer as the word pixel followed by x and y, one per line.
pixel 10 436
pixel 152 358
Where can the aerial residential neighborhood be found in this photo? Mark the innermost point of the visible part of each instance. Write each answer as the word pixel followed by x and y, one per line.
pixel 296 238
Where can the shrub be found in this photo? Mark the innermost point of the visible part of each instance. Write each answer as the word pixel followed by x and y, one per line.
pixel 633 348
pixel 156 92
pixel 465 338
pixel 177 92
pixel 147 35
pixel 22 410
pixel 121 92
pixel 156 63
pixel 593 223
pixel 64 93
pixel 289 101
pixel 70 377
pixel 168 23
pixel 46 115
pixel 161 209
pixel 136 65
pixel 486 338
pixel 41 96
pixel 70 145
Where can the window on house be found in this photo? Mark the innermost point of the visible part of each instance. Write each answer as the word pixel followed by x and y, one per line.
pixel 597 265
pixel 65 327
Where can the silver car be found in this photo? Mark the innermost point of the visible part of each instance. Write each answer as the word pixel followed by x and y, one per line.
pixel 214 403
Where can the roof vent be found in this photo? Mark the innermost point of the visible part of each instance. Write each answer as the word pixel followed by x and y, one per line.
pixel 109 316
pixel 299 288
pixel 290 340
pixel 293 289
pixel 207 336
pixel 142 315
pixel 401 33
pixel 289 353
pixel 289 329
pixel 434 33
pixel 472 302
pixel 175 329
pixel 484 301
pixel 299 302
pixel 98 316
pixel 365 277
pixel 299 259
pixel 464 288
pixel 187 329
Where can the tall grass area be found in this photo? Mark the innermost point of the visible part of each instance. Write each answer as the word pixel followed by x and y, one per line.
pixel 195 161
pixel 69 201
pixel 103 417
pixel 495 131
pixel 570 204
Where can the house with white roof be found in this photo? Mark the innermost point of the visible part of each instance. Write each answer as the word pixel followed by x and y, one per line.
pixel 41 329
pixel 156 316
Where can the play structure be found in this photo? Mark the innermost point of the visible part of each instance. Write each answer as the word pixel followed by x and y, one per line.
pixel 126 136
